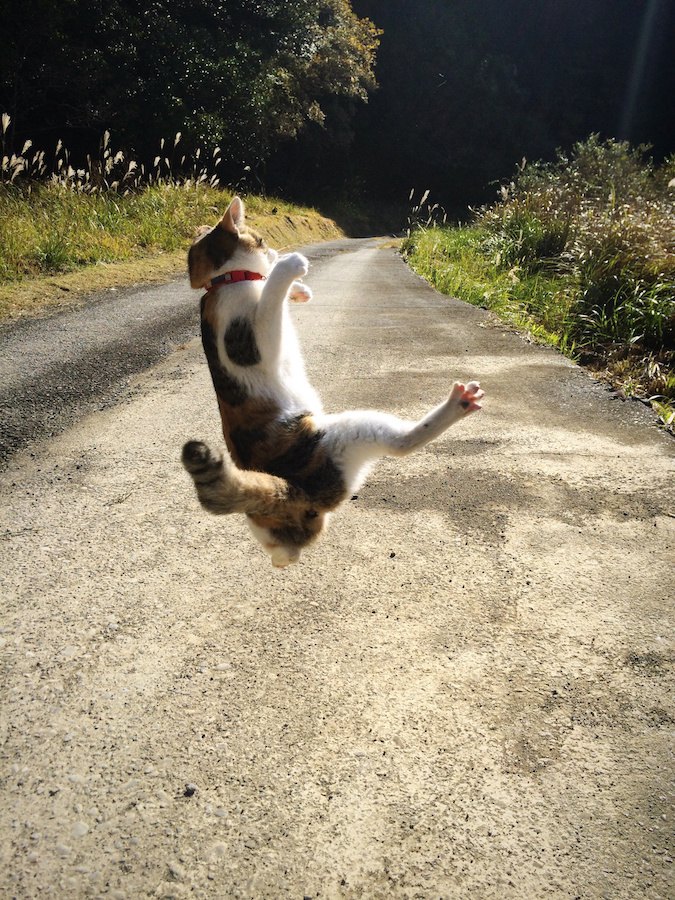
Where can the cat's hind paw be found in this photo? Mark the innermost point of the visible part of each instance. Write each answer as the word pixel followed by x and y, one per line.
pixel 300 293
pixel 467 396
pixel 199 459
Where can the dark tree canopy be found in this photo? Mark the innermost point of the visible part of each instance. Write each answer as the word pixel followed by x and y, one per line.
pixel 243 74
pixel 467 88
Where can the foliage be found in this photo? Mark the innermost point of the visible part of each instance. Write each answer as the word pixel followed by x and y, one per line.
pixel 241 74
pixel 581 252
pixel 603 215
pixel 111 170
pixel 114 209
pixel 454 261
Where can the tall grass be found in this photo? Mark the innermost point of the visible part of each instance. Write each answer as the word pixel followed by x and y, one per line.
pixel 56 215
pixel 111 171
pixel 604 217
pixel 582 252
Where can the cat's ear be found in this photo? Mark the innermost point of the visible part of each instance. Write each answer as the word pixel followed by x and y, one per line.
pixel 201 231
pixel 233 219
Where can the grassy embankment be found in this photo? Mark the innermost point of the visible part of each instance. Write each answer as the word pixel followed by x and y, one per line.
pixel 66 232
pixel 581 255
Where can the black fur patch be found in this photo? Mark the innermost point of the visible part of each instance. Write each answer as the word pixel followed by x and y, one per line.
pixel 226 386
pixel 240 343
pixel 244 440
pixel 294 535
pixel 298 456
pixel 324 485
pixel 220 245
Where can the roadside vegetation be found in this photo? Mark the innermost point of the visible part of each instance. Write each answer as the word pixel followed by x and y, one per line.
pixel 581 254
pixel 57 218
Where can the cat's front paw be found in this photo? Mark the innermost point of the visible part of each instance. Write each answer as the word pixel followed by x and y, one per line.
pixel 467 396
pixel 300 293
pixel 294 264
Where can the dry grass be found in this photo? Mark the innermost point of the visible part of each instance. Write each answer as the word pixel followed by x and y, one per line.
pixel 37 294
pixel 67 231
pixel 46 294
pixel 581 253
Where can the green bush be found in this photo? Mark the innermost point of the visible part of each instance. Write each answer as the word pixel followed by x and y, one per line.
pixel 603 216
pixel 581 252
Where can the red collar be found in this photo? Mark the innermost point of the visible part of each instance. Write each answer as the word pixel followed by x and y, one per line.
pixel 233 277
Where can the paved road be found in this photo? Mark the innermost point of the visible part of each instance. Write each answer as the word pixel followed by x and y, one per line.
pixel 55 370
pixel 464 691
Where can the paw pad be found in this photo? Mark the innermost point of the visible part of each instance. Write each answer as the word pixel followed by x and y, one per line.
pixel 467 395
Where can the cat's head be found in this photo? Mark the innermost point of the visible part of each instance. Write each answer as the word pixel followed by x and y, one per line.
pixel 229 245
pixel 284 539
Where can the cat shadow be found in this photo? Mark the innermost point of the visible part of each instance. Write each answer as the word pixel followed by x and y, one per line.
pixel 483 502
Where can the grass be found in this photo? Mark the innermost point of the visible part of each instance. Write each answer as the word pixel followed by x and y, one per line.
pixel 581 254
pixel 452 259
pixel 65 231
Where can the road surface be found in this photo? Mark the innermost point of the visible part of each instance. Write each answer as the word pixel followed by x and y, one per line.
pixel 464 691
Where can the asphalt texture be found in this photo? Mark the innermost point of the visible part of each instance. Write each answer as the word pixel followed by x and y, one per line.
pixel 56 369
pixel 464 690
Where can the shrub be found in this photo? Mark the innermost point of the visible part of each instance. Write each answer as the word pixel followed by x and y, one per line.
pixel 581 252
pixel 604 217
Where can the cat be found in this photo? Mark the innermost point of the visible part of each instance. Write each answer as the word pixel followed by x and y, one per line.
pixel 288 464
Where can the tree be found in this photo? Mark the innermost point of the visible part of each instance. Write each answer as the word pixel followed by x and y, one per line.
pixel 243 74
pixel 467 89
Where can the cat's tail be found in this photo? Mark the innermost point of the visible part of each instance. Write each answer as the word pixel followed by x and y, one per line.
pixel 223 488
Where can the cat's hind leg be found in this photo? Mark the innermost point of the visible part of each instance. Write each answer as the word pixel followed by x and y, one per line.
pixel 281 517
pixel 222 488
pixel 355 439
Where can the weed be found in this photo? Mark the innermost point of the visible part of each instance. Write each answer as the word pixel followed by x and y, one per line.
pixel 56 216
pixel 581 252
pixel 424 214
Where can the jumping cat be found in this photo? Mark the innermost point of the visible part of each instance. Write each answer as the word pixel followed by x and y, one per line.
pixel 288 464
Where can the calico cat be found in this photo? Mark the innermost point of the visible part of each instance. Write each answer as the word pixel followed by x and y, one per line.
pixel 288 464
